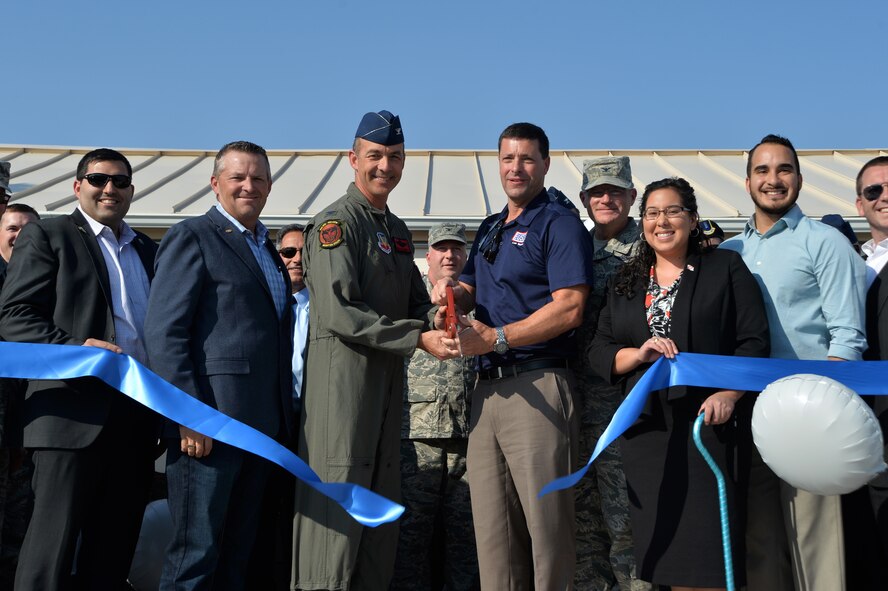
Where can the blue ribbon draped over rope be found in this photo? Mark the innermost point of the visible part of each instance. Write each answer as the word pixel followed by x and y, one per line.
pixel 726 373
pixel 123 373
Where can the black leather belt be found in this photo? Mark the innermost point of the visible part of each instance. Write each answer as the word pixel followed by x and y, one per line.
pixel 510 371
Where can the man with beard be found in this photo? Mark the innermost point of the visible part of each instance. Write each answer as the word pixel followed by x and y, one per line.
pixel 813 284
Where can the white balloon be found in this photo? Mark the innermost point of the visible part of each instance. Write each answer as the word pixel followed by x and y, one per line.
pixel 817 434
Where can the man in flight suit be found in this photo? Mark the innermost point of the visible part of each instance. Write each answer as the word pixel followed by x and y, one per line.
pixel 369 311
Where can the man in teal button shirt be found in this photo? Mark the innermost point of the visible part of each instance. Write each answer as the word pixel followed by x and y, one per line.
pixel 814 288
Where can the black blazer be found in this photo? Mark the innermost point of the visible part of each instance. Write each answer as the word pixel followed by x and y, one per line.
pixel 57 291
pixel 877 339
pixel 718 310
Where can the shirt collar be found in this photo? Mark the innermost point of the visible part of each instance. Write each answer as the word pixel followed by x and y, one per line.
pixel 870 246
pixel 530 210
pixel 127 234
pixel 300 298
pixel 261 232
pixel 789 220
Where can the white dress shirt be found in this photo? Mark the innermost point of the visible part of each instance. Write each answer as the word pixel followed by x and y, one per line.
pixel 129 286
pixel 876 257
pixel 300 336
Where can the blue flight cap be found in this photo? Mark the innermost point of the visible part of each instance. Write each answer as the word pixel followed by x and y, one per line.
pixel 381 128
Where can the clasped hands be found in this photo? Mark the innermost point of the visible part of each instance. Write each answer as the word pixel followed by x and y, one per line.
pixel 473 337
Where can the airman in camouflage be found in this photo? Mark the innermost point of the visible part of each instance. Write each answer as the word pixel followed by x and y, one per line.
pixel 605 559
pixel 436 547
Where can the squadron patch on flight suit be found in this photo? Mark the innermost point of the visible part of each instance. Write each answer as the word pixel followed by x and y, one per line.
pixel 383 243
pixel 330 234
pixel 402 245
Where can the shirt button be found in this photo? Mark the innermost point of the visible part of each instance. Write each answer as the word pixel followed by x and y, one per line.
pixel 758 263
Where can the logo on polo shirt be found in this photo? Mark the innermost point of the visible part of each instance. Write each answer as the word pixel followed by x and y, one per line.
pixel 519 237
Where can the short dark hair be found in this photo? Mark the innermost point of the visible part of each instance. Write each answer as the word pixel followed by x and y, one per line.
pixel 526 131
pixel 101 155
pixel 240 146
pixel 22 208
pixel 286 230
pixel 773 139
pixel 877 161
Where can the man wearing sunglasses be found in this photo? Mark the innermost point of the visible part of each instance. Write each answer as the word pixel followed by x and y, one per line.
pixel 527 278
pixel 872 203
pixel 814 286
pixel 82 279
pixel 369 310
pixel 270 562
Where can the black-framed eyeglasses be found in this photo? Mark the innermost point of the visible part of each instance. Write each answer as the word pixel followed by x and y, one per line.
pixel 873 192
pixel 673 211
pixel 100 179
pixel 490 244
pixel 289 252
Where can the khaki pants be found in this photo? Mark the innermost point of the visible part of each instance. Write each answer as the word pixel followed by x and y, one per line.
pixel 808 552
pixel 524 433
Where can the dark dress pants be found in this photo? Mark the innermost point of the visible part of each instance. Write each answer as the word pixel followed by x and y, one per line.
pixel 98 493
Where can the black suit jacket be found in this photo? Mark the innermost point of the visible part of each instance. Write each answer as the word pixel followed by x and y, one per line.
pixel 877 339
pixel 57 291
pixel 718 310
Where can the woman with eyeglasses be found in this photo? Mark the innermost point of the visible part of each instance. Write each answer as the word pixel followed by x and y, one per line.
pixel 671 298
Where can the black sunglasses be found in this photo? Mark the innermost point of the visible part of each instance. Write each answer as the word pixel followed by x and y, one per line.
pixel 489 246
pixel 289 252
pixel 873 192
pixel 99 180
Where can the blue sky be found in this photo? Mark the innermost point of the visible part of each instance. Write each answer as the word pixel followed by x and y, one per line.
pixel 299 74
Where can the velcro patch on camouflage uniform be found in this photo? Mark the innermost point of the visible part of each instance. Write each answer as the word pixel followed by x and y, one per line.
pixel 330 234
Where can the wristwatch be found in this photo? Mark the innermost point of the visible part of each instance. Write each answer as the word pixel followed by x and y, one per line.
pixel 501 345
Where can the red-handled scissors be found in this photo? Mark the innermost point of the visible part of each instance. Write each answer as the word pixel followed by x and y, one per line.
pixel 450 316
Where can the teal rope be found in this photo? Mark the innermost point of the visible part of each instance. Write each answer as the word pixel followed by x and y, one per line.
pixel 722 504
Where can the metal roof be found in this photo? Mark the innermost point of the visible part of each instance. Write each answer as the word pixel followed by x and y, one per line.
pixel 437 185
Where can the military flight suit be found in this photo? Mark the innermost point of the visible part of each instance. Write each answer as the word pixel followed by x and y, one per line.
pixel 368 306
pixel 605 557
pixel 436 547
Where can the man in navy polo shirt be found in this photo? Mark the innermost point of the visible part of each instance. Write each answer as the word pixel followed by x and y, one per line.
pixel 527 277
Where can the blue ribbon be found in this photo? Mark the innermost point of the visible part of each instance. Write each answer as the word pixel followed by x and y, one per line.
pixel 726 373
pixel 123 373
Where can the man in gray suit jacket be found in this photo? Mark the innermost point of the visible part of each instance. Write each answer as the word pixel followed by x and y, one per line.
pixel 218 327
pixel 82 279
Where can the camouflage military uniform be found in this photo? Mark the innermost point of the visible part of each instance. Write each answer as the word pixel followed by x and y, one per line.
pixel 605 558
pixel 436 547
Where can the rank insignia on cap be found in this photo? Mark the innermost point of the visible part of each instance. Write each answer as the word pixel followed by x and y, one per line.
pixel 401 245
pixel 383 243
pixel 330 234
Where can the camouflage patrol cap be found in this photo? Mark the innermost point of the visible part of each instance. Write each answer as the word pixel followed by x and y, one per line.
pixel 447 231
pixel 609 170
pixel 4 177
